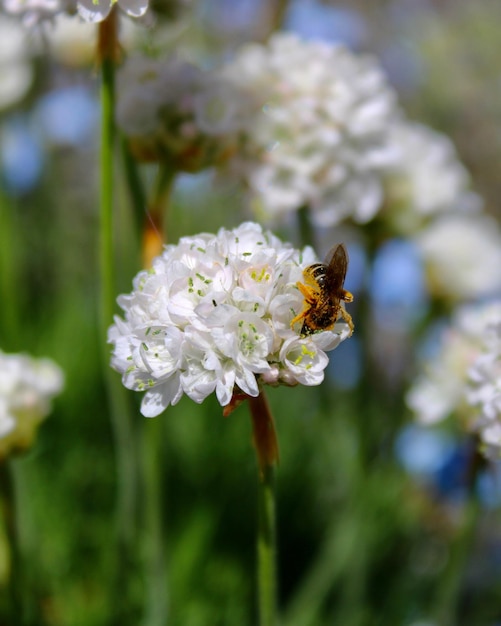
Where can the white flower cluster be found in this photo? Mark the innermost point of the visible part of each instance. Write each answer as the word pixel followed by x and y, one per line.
pixel 98 10
pixel 170 109
pixel 319 135
pixel 485 388
pixel 462 256
pixel 428 180
pixel 35 11
pixel 27 386
pixel 16 67
pixel 459 376
pixel 213 314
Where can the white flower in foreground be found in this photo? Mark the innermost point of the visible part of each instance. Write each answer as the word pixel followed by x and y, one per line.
pixel 428 179
pixel 462 256
pixel 98 10
pixel 27 386
pixel 319 134
pixel 485 388
pixel 213 315
pixel 170 109
pixel 444 387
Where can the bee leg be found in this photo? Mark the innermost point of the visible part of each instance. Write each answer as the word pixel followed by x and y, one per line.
pixel 309 297
pixel 299 317
pixel 310 294
pixel 348 319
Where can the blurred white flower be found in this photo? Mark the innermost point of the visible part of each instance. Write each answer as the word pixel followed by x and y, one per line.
pixel 462 256
pixel 428 178
pixel 485 388
pixel 73 42
pixel 213 314
pixel 16 71
pixel 27 386
pixel 170 109
pixel 319 134
pixel 98 10
pixel 445 388
pixel 35 11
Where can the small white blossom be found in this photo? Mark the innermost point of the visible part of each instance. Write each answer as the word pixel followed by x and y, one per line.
pixel 27 386
pixel 428 179
pixel 98 10
pixel 462 256
pixel 462 374
pixel 16 70
pixel 213 315
pixel 33 12
pixel 485 388
pixel 170 109
pixel 319 133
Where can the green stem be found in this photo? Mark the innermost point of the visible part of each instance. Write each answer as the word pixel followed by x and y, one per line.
pixel 10 294
pixel 134 184
pixel 266 550
pixel 8 500
pixel 449 590
pixel 306 230
pixel 118 401
pixel 107 264
pixel 265 442
pixel 154 497
pixel 154 230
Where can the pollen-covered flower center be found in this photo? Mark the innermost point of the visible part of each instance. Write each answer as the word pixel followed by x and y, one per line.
pixel 303 356
pixel 199 284
pixel 250 340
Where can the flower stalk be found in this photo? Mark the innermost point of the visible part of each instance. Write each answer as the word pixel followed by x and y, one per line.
pixel 266 444
pixel 9 509
pixel 154 235
pixel 107 54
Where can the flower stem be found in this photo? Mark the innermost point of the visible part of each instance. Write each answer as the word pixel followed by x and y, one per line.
pixel 449 591
pixel 107 32
pixel 119 408
pixel 265 442
pixel 8 504
pixel 154 233
pixel 156 605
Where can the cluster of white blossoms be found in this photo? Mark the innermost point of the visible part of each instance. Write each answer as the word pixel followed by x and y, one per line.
pixel 485 387
pixel 35 11
pixel 428 179
pixel 27 386
pixel 319 135
pixel 213 314
pixel 461 255
pixel 462 375
pixel 98 10
pixel 171 110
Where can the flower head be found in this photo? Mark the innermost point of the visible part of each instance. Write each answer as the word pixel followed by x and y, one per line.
pixel 213 315
pixel 170 109
pixel 428 179
pixel 98 10
pixel 35 11
pixel 464 373
pixel 462 256
pixel 27 386
pixel 319 133
pixel 485 388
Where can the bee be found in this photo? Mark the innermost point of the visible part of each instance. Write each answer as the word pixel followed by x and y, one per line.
pixel 323 293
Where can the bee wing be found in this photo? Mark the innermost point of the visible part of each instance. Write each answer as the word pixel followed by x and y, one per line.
pixel 337 262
